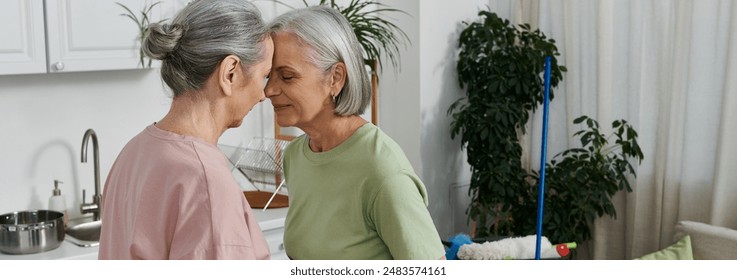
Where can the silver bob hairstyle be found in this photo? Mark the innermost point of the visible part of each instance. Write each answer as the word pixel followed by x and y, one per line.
pixel 200 36
pixel 331 40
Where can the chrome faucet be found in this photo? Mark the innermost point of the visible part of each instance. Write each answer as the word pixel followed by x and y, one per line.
pixel 96 206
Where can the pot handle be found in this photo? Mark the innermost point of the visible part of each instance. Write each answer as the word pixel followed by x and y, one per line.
pixel 29 228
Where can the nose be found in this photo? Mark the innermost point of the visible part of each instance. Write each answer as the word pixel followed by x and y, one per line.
pixel 270 89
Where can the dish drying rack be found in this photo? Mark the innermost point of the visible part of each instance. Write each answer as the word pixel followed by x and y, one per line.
pixel 261 162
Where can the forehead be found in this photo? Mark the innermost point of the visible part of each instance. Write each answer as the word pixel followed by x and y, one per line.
pixel 268 43
pixel 267 50
pixel 290 50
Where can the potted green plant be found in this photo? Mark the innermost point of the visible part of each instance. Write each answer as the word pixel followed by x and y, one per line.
pixel 378 37
pixel 142 20
pixel 580 182
pixel 500 67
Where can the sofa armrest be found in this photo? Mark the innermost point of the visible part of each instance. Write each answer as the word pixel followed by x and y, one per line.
pixel 709 242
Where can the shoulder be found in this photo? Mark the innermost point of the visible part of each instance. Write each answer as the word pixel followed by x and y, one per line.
pixel 191 158
pixel 383 155
pixel 295 145
pixel 212 163
pixel 372 142
pixel 399 186
pixel 167 155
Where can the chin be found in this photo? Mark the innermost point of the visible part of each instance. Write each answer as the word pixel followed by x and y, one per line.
pixel 236 124
pixel 284 122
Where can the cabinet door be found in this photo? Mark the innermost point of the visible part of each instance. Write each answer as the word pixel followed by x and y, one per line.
pixel 22 47
pixel 275 240
pixel 87 35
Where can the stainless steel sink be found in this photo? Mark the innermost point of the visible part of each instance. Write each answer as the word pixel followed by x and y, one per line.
pixel 84 234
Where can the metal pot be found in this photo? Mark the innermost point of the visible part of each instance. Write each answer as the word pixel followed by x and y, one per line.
pixel 32 231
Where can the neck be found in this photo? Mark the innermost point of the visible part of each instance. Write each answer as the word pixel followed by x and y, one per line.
pixel 332 132
pixel 195 116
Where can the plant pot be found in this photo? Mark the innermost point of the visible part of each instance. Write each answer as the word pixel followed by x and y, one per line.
pixel 258 199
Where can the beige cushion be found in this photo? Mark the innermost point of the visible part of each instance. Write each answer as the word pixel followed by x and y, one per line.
pixel 709 242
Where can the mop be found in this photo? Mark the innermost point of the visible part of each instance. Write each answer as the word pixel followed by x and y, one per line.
pixel 462 247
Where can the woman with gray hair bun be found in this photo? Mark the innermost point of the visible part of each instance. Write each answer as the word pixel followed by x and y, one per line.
pixel 170 193
pixel 352 192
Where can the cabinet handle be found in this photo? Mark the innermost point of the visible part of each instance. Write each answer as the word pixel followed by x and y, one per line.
pixel 59 66
pixel 281 247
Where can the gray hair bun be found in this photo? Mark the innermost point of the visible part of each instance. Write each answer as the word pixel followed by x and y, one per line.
pixel 200 36
pixel 162 40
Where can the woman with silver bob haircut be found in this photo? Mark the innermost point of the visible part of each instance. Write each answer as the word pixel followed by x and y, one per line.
pixel 170 193
pixel 327 33
pixel 352 192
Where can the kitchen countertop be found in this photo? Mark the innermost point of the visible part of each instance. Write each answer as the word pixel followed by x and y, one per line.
pixel 267 220
pixel 67 251
pixel 271 218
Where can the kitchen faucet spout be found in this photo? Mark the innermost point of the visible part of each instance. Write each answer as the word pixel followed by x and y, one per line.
pixel 96 206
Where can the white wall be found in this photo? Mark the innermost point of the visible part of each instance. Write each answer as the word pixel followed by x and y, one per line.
pixel 44 116
pixel 399 89
pixel 446 165
pixel 413 103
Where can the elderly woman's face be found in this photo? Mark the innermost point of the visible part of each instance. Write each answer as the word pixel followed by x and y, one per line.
pixel 298 90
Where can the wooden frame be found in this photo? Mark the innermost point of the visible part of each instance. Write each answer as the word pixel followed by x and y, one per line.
pixel 375 97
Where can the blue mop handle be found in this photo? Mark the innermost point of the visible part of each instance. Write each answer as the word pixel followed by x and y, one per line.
pixel 541 189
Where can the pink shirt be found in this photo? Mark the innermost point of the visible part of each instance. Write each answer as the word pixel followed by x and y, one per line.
pixel 170 196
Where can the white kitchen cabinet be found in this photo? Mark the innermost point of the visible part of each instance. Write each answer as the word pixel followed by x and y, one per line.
pixel 22 42
pixel 275 239
pixel 73 35
pixel 89 35
pixel 271 222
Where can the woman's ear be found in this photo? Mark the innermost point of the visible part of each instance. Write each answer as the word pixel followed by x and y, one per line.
pixel 337 77
pixel 226 74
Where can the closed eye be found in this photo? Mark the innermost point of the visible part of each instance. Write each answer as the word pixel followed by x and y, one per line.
pixel 286 75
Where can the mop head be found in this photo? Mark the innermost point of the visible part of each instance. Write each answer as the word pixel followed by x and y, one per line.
pixel 513 248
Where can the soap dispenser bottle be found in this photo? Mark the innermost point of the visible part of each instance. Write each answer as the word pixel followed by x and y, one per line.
pixel 57 201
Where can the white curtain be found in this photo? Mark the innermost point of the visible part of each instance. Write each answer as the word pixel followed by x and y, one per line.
pixel 670 69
